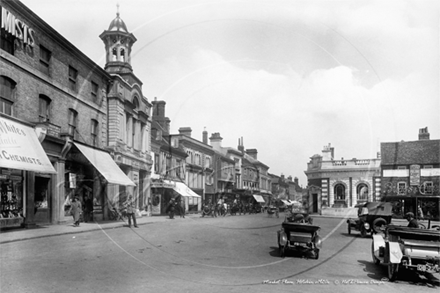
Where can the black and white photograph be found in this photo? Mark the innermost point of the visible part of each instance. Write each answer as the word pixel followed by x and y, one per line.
pixel 220 146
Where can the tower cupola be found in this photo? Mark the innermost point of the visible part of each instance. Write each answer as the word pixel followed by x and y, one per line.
pixel 118 44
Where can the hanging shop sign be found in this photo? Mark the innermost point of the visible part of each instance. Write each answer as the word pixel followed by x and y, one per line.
pixel 17 28
pixel 414 175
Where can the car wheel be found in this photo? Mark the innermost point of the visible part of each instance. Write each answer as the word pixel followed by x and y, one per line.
pixel 282 251
pixel 377 223
pixel 376 261
pixel 349 229
pixel 393 269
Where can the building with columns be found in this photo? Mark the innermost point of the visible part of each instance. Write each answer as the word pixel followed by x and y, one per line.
pixel 129 117
pixel 343 183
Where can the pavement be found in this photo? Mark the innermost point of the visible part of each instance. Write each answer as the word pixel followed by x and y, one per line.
pixel 49 230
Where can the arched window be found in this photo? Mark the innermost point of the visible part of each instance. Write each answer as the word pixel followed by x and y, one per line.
pixel 7 95
pixel 362 192
pixel 339 192
pixel 122 55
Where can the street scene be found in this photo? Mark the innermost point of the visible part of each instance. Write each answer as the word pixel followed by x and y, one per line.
pixel 219 146
pixel 194 254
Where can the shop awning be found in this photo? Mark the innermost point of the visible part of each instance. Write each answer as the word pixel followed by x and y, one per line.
pixel 259 198
pixel 105 165
pixel 184 190
pixel 287 203
pixel 20 148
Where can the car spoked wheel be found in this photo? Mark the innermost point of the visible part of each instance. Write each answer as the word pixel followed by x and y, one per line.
pixel 393 269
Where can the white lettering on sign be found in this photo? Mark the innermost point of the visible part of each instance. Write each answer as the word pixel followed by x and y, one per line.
pixel 17 28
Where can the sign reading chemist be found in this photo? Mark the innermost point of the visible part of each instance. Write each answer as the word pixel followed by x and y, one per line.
pixel 12 25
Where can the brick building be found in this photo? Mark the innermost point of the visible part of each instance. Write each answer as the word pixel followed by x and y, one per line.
pixel 411 175
pixel 51 86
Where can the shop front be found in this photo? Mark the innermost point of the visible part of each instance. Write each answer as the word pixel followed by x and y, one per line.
pixel 92 175
pixel 25 175
pixel 164 190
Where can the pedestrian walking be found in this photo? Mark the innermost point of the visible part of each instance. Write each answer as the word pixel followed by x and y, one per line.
pixel 88 209
pixel 130 210
pixel 170 208
pixel 75 211
pixel 181 206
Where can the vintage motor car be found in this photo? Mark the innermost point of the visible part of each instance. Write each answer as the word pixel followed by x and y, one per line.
pixel 371 217
pixel 297 233
pixel 409 248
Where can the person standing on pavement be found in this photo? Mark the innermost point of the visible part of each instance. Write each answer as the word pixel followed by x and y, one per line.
pixel 170 209
pixel 129 205
pixel 75 211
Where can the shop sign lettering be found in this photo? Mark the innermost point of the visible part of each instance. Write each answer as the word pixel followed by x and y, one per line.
pixel 414 175
pixel 17 28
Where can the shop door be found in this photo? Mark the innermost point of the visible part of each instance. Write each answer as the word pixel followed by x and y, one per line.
pixel 315 203
pixel 42 200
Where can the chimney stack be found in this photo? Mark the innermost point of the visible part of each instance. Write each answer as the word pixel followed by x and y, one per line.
pixel 205 136
pixel 423 134
pixel 216 141
pixel 240 145
pixel 185 131
pixel 253 153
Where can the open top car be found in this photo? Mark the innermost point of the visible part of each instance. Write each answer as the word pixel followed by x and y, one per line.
pixel 402 247
pixel 297 233
pixel 371 217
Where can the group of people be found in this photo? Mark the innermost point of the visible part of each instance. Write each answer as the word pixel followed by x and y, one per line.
pixel 175 205
pixel 78 209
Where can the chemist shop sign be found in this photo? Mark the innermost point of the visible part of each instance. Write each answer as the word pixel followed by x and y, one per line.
pixel 20 148
pixel 12 26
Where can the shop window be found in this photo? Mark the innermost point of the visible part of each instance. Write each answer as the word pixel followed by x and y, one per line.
pixel 11 195
pixel 73 76
pixel 7 95
pixel 45 56
pixel 72 124
pixel 44 109
pixel 94 132
pixel 401 188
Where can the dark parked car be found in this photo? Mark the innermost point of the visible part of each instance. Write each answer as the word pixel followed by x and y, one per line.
pixel 371 216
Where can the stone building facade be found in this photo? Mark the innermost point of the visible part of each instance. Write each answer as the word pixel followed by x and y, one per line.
pixel 343 183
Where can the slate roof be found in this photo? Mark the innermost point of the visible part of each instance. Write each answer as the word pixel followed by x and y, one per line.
pixel 410 152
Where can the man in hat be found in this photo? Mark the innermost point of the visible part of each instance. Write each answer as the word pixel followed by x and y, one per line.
pixel 412 222
pixel 131 211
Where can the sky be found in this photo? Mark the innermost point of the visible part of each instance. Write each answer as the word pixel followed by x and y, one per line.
pixel 289 77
